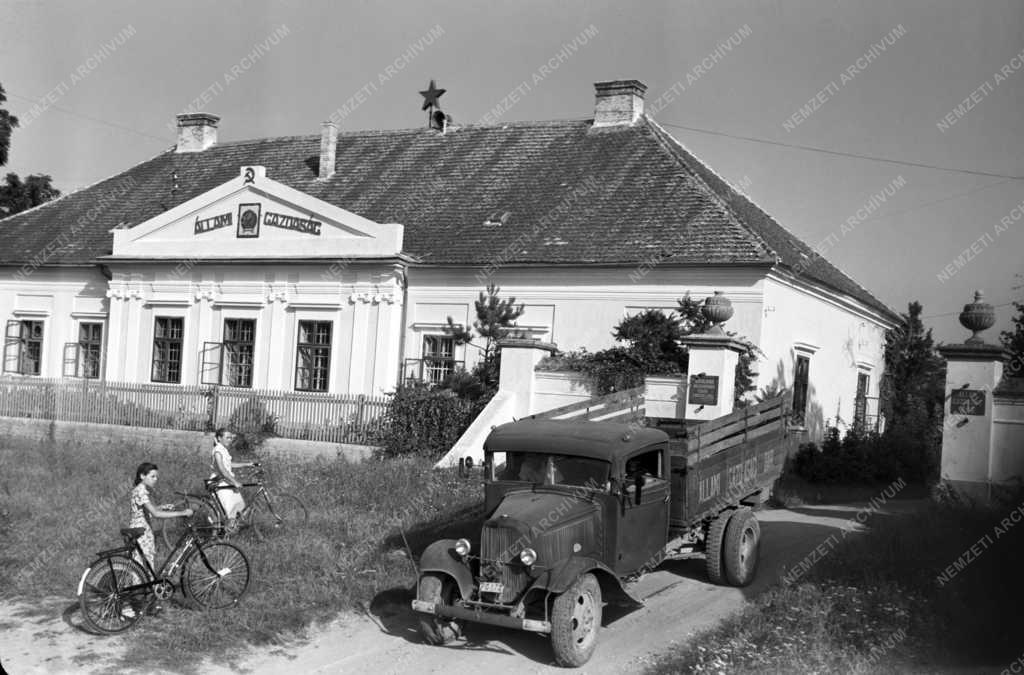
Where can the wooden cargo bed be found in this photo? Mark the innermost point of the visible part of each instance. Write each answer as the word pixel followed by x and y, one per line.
pixel 727 460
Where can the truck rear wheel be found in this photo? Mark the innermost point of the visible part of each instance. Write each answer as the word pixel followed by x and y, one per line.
pixel 742 545
pixel 439 589
pixel 575 621
pixel 713 547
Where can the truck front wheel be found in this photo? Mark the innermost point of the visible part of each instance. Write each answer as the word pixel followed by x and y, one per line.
pixel 742 544
pixel 575 620
pixel 439 589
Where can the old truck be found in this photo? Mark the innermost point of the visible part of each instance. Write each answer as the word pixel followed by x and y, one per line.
pixel 577 510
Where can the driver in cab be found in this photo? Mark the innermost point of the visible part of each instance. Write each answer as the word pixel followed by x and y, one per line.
pixel 539 469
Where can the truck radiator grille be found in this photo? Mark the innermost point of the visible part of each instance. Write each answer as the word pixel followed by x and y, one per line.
pixel 497 547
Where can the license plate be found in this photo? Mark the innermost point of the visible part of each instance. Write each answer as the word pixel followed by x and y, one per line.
pixel 491 587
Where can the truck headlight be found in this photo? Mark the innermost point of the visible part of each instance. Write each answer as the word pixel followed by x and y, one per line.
pixel 528 556
pixel 462 547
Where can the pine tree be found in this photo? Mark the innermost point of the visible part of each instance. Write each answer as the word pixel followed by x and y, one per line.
pixel 495 319
pixel 914 372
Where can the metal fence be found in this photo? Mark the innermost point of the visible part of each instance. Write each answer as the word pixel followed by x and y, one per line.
pixel 301 415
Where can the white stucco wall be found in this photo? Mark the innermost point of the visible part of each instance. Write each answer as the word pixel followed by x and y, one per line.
pixel 1008 439
pixel 60 297
pixel 840 338
pixel 574 307
pixel 363 302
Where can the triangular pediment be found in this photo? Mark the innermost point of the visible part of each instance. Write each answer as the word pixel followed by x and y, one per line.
pixel 255 217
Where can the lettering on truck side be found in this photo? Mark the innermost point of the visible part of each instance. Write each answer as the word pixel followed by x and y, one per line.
pixel 709 487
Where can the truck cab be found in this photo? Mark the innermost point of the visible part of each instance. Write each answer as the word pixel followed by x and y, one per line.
pixel 575 509
pixel 564 502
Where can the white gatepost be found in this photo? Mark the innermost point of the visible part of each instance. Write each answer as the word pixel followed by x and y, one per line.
pixel 516 388
pixel 712 364
pixel 711 385
pixel 973 371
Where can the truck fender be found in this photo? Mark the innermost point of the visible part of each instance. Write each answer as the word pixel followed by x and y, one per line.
pixel 441 557
pixel 561 578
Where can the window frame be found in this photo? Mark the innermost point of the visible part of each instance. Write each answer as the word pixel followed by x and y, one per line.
pixel 84 347
pixel 325 346
pixel 446 362
pixel 229 353
pixel 168 343
pixel 801 389
pixel 860 400
pixel 22 342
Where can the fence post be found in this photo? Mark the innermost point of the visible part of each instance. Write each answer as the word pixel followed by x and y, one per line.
pixel 360 406
pixel 211 395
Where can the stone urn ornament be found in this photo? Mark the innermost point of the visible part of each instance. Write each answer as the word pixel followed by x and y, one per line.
pixel 717 309
pixel 976 317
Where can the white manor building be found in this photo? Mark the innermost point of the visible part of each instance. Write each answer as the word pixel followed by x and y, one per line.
pixel 330 263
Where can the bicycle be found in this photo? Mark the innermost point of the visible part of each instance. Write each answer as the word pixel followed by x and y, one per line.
pixel 264 512
pixel 116 590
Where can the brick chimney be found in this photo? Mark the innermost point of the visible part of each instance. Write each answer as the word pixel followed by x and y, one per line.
pixel 619 102
pixel 328 146
pixel 196 131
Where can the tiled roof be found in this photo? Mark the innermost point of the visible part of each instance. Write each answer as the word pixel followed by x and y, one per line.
pixel 532 192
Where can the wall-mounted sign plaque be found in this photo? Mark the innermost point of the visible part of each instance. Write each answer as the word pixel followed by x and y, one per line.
pixel 967 402
pixel 703 390
pixel 248 220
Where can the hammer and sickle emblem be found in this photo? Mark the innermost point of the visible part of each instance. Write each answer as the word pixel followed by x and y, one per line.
pixel 250 176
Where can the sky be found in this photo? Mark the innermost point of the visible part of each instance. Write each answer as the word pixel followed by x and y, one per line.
pixel 924 83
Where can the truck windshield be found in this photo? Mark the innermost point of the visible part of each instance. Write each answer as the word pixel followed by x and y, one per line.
pixel 549 469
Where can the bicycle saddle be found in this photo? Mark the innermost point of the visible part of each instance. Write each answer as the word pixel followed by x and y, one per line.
pixel 133 532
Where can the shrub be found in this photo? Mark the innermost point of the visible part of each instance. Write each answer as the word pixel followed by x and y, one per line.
pixel 252 424
pixel 907 451
pixel 420 420
pixel 652 348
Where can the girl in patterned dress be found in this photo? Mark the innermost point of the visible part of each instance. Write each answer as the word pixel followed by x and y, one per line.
pixel 143 510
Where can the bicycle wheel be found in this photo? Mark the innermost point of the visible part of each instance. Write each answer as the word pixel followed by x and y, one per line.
pixel 206 517
pixel 216 575
pixel 275 512
pixel 106 595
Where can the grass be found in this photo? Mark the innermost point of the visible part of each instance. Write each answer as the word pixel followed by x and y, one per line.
pixel 877 604
pixel 60 505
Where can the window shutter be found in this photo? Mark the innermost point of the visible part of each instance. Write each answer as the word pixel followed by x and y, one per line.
pixel 213 356
pixel 12 347
pixel 72 367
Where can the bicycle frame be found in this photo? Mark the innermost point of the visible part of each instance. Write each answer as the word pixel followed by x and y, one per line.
pixel 261 491
pixel 187 542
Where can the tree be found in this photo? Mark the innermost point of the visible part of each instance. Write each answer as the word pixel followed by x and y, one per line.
pixel 654 348
pixel 1013 341
pixel 17 196
pixel 7 124
pixel 653 336
pixel 495 320
pixel 914 373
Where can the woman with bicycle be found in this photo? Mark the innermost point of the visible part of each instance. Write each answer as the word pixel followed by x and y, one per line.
pixel 142 509
pixel 228 487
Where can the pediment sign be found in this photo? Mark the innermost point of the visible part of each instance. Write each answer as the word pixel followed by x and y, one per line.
pixel 253 216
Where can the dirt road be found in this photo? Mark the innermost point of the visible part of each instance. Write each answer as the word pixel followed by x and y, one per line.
pixel 678 601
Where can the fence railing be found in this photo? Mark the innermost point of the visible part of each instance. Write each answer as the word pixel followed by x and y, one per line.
pixel 320 417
